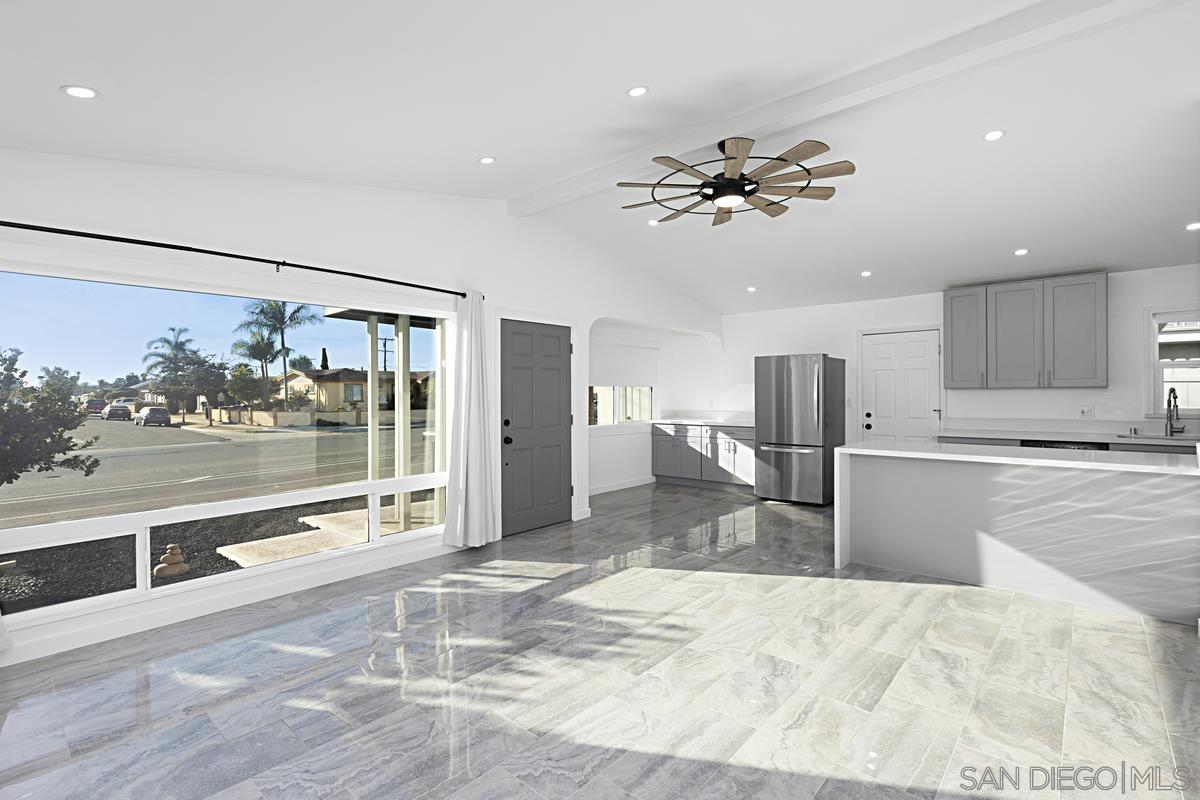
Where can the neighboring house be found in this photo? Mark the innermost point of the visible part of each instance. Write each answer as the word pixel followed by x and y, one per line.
pixel 145 392
pixel 343 388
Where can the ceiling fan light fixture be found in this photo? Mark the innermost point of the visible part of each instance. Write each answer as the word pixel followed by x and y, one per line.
pixel 728 200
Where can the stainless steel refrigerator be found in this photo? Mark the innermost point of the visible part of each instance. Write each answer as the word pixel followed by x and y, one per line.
pixel 799 417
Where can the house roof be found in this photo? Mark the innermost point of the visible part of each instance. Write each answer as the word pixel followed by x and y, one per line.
pixel 344 375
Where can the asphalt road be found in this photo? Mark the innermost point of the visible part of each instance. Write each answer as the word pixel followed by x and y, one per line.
pixel 148 468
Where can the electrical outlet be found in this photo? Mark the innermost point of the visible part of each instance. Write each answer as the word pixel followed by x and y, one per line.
pixel 1087 412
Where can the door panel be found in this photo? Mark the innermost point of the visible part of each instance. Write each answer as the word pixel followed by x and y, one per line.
pixel 1076 331
pixel 901 376
pixel 787 399
pixel 790 472
pixel 964 318
pixel 535 402
pixel 1014 341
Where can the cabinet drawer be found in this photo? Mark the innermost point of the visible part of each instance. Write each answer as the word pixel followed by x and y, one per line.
pixel 670 429
pixel 743 433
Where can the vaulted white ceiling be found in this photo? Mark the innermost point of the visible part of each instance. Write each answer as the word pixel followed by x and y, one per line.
pixel 1100 166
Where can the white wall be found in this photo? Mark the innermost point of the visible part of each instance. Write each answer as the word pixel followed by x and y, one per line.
pixel 828 329
pixel 675 363
pixel 834 328
pixel 526 267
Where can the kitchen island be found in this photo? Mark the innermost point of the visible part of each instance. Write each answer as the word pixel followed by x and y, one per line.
pixel 1115 531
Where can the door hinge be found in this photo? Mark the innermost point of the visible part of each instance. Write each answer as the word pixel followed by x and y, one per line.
pixel 939 349
pixel 571 348
pixel 572 419
pixel 572 491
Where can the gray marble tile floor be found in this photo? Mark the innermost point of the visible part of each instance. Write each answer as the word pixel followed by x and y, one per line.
pixel 680 643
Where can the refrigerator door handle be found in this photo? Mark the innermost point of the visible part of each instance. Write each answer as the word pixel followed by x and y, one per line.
pixel 776 448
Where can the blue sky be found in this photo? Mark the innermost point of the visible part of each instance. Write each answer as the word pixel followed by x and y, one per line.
pixel 101 329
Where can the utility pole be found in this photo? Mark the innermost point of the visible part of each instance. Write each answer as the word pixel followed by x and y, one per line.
pixel 383 344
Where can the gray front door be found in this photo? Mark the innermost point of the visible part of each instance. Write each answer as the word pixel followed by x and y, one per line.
pixel 535 411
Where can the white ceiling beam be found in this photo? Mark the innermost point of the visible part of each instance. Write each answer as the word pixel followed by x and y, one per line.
pixel 1036 25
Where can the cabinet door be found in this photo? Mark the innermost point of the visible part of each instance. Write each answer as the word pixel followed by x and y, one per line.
pixel 664 456
pixel 743 462
pixel 1076 330
pixel 965 354
pixel 718 459
pixel 691 457
pixel 1014 335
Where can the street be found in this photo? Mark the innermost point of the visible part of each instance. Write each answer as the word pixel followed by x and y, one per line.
pixel 148 468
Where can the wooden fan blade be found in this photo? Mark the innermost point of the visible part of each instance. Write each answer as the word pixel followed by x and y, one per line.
pixel 766 206
pixel 722 216
pixel 686 169
pixel 811 193
pixel 834 170
pixel 664 200
pixel 629 185
pixel 683 211
pixel 801 152
pixel 737 150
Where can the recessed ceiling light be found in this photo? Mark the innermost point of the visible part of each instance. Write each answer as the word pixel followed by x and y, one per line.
pixel 487 160
pixel 81 92
pixel 993 136
pixel 751 288
pixel 1193 226
pixel 866 273
pixel 1020 252
pixel 637 91
pixel 651 222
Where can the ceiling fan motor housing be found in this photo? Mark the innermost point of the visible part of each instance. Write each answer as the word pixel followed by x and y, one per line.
pixel 740 187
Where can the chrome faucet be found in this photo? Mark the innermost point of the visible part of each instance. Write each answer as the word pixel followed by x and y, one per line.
pixel 1173 412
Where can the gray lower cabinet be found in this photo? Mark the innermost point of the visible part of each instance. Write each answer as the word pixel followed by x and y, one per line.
pixel 728 461
pixel 703 453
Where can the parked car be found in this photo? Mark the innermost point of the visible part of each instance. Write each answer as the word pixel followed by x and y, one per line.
pixel 132 403
pixel 93 406
pixel 116 411
pixel 153 415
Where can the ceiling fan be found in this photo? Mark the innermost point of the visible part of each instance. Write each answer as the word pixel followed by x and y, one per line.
pixel 765 188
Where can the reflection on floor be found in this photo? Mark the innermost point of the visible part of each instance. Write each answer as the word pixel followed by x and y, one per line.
pixel 679 643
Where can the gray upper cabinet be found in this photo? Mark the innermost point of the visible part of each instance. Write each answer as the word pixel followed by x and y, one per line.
pixel 965 354
pixel 1050 332
pixel 1076 330
pixel 1014 335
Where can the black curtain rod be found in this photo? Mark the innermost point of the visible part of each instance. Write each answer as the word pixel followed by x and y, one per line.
pixel 24 226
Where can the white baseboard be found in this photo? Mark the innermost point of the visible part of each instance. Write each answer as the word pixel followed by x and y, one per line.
pixel 148 611
pixel 581 514
pixel 626 484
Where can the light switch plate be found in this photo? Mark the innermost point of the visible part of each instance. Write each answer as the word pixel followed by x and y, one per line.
pixel 1087 412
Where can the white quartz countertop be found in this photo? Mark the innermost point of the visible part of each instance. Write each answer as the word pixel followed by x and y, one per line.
pixel 1116 461
pixel 713 423
pixel 1151 427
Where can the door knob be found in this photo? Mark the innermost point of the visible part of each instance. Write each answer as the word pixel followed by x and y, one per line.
pixel 507 423
pixel 868 415
pixel 508 440
pixel 867 426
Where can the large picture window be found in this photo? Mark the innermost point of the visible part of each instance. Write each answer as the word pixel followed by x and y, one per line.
pixel 120 401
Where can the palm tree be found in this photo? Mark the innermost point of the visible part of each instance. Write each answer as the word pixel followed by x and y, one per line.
pixel 165 352
pixel 275 318
pixel 258 348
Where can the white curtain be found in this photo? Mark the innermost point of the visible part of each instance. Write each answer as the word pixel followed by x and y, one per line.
pixel 473 495
pixel 5 642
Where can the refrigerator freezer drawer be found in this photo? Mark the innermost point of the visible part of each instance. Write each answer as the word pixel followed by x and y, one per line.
pixel 797 473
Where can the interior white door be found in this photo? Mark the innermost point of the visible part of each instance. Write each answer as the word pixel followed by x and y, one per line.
pixel 901 380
